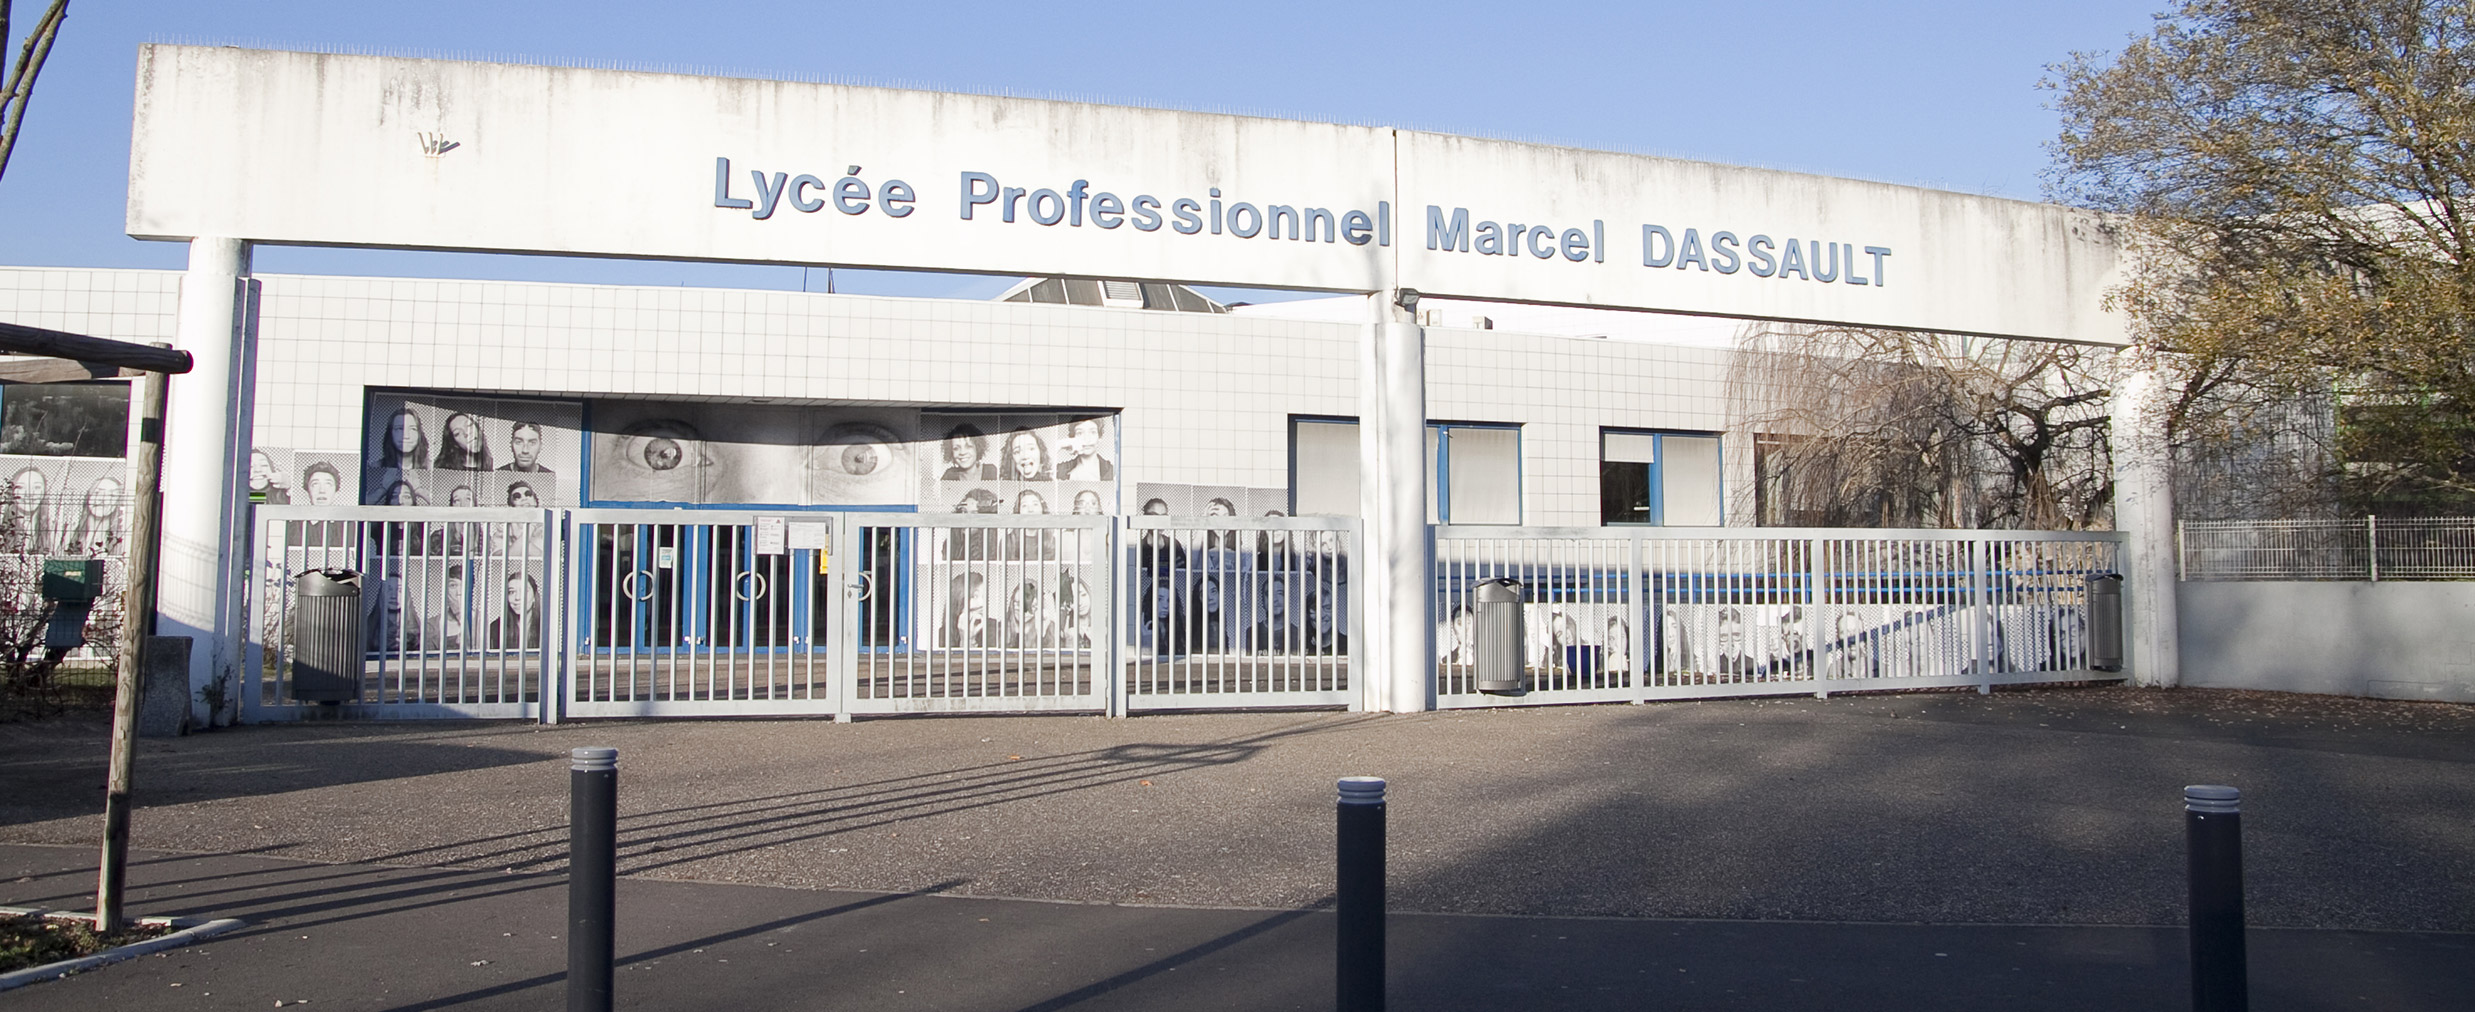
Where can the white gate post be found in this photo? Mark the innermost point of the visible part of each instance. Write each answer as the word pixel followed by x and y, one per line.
pixel 842 630
pixel 1112 653
pixel 205 432
pixel 1815 626
pixel 1640 623
pixel 557 604
pixel 2144 512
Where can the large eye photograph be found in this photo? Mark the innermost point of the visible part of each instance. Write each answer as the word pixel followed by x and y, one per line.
pixel 858 463
pixel 654 460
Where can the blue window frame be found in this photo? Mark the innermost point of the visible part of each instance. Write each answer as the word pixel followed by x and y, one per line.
pixel 1665 479
pixel 1473 470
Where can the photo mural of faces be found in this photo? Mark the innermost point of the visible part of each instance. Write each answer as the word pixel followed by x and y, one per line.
pixel 984 462
pixel 64 506
pixel 810 455
pixel 439 606
pixel 1010 604
pixel 444 450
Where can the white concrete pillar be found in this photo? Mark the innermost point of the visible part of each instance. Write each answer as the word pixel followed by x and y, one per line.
pixel 1374 593
pixel 1399 561
pixel 205 427
pixel 2144 512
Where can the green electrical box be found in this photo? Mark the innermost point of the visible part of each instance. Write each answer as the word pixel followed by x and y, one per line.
pixel 72 581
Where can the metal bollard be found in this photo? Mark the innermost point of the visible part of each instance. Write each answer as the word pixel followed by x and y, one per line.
pixel 2213 829
pixel 592 876
pixel 1358 966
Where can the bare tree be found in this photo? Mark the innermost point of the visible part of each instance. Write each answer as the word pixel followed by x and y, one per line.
pixel 1883 428
pixel 20 76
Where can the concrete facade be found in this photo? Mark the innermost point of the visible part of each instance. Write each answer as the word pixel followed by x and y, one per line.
pixel 328 149
pixel 1204 399
pixel 2389 640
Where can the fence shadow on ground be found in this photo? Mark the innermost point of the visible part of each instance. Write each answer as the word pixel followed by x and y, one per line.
pixel 56 771
pixel 651 841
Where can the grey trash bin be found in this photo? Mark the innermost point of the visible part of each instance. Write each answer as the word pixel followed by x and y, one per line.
pixel 1497 629
pixel 2105 622
pixel 326 636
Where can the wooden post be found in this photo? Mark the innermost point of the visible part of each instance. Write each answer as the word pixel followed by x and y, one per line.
pixel 137 618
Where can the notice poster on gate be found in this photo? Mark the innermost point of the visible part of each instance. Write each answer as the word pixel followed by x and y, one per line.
pixel 770 535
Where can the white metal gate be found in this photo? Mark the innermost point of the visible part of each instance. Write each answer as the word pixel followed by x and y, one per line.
pixel 1649 613
pixel 1240 612
pixel 454 608
pixel 690 612
pixel 697 613
pixel 966 612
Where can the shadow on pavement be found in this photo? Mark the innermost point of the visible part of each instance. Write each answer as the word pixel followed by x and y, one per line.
pixel 56 771
pixel 669 837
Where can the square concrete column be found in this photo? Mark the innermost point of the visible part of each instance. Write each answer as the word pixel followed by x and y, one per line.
pixel 2144 512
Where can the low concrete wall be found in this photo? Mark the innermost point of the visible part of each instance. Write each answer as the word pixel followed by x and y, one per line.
pixel 2388 640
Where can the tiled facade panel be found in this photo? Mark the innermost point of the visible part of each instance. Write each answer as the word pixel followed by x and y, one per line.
pixel 1205 397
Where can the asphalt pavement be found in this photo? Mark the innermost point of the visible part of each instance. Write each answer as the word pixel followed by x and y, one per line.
pixel 1921 851
pixel 358 937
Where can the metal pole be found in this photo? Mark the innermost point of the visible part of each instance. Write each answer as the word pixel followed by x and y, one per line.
pixel 1358 967
pixel 2213 830
pixel 592 876
pixel 2371 538
pixel 137 609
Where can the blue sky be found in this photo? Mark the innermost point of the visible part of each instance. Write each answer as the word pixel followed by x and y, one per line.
pixel 1926 94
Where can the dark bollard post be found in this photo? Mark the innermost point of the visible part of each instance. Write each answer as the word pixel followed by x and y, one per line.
pixel 1358 968
pixel 592 876
pixel 2213 829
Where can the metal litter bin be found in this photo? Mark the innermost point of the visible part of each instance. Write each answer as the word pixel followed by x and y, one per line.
pixel 1497 629
pixel 326 636
pixel 2105 622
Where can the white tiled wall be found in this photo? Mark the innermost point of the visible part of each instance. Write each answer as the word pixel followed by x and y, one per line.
pixel 119 304
pixel 1206 398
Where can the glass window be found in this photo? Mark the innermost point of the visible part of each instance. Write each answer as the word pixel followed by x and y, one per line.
pixel 1323 467
pixel 1482 469
pixel 1670 479
pixel 1473 471
pixel 65 419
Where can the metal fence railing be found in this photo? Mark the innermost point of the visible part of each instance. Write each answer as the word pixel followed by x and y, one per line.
pixel 963 612
pixel 640 612
pixel 1649 613
pixel 458 609
pixel 650 613
pixel 1240 612
pixel 2360 548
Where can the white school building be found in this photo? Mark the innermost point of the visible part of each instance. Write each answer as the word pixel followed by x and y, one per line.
pixel 1101 491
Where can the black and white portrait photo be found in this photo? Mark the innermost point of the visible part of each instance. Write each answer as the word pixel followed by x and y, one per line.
pixel 322 481
pixel 524 445
pixel 1024 455
pixel 1086 451
pixel 270 480
pixel 514 596
pixel 963 454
